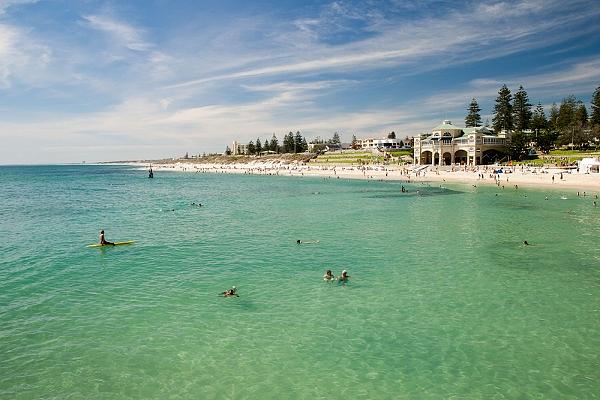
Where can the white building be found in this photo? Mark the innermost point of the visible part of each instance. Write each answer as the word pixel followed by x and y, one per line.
pixel 383 143
pixel 589 165
pixel 238 148
pixel 448 144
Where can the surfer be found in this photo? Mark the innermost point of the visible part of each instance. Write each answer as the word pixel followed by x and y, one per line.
pixel 328 276
pixel 103 240
pixel 306 241
pixel 230 292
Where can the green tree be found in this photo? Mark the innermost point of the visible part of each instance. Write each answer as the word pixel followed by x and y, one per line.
pixel 570 121
pixel 566 113
pixel 251 148
pixel 546 139
pixel 502 119
pixel 581 114
pixel 581 135
pixel 354 144
pixel 288 143
pixel 274 145
pixel 391 135
pixel 538 120
pixel 553 118
pixel 298 142
pixel 521 110
pixel 304 145
pixel 595 116
pixel 518 146
pixel 473 118
pixel 259 147
pixel 335 139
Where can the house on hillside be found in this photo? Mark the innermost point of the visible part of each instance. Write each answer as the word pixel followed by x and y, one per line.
pixel 448 144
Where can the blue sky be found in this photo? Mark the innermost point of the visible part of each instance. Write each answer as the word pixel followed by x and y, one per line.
pixel 95 81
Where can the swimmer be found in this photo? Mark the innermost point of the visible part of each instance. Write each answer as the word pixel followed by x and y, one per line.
pixel 231 292
pixel 306 241
pixel 103 241
pixel 525 242
pixel 344 277
pixel 328 276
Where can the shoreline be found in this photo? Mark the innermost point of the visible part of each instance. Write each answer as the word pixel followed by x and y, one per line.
pixel 524 177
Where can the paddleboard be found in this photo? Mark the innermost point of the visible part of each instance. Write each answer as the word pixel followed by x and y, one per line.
pixel 108 245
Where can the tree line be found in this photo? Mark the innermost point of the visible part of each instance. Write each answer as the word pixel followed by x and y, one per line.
pixel 566 124
pixel 292 143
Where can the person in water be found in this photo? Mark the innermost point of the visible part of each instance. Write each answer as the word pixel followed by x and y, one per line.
pixel 328 276
pixel 525 242
pixel 230 292
pixel 103 240
pixel 344 277
pixel 306 241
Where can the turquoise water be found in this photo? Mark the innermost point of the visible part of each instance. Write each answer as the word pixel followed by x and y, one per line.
pixel 444 301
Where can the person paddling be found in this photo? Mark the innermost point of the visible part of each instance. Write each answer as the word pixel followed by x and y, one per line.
pixel 103 240
pixel 230 292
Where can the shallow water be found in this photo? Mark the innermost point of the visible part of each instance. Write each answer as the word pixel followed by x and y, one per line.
pixel 444 301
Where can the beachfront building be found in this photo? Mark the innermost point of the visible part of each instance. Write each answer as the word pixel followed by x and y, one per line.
pixel 383 143
pixel 448 144
pixel 238 148
pixel 589 165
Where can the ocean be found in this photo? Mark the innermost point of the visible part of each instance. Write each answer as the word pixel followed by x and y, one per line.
pixel 444 300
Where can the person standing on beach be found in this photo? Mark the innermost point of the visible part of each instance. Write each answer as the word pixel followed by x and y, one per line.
pixel 103 240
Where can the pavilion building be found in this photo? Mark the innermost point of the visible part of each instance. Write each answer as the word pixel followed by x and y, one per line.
pixel 448 144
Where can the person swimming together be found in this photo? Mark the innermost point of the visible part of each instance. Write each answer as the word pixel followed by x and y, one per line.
pixel 230 292
pixel 103 240
pixel 344 277
pixel 328 276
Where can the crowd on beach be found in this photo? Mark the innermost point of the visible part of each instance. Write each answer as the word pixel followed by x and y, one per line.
pixel 523 175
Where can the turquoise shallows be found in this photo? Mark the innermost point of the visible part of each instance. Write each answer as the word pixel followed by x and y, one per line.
pixel 444 300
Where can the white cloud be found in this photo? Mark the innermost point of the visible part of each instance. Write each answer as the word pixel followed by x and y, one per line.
pixel 20 56
pixel 580 76
pixel 5 4
pixel 253 76
pixel 416 46
pixel 122 33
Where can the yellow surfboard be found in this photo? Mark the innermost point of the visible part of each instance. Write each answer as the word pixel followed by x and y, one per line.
pixel 108 245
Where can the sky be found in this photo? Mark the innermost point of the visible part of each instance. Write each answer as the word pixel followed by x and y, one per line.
pixel 127 80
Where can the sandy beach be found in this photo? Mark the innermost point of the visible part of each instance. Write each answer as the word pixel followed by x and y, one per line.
pixel 524 177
